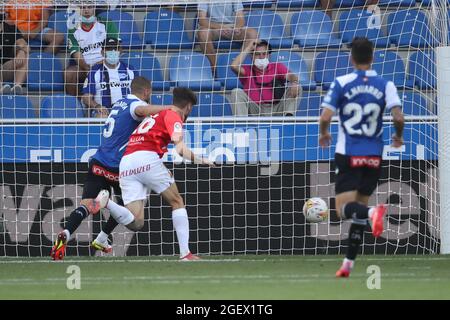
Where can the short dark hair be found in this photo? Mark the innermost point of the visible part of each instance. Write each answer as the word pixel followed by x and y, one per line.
pixel 362 50
pixel 139 84
pixel 264 43
pixel 183 96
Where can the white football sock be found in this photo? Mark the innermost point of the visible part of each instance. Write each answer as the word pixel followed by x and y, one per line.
pixel 102 237
pixel 348 263
pixel 67 234
pixel 181 224
pixel 121 214
pixel 371 211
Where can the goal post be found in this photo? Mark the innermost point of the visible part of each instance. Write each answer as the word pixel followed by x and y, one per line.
pixel 268 165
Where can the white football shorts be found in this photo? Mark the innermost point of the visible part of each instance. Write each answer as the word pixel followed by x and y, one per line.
pixel 142 172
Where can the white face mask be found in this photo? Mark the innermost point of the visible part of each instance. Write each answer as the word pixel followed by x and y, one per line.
pixel 112 57
pixel 262 63
pixel 89 20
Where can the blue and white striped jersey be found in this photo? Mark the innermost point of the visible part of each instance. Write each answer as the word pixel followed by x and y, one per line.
pixel 360 98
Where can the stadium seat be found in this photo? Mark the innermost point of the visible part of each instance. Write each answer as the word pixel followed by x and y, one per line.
pixel 309 105
pixel 330 64
pixel 147 66
pixel 357 23
pixel 45 72
pixel 270 27
pixel 61 106
pixel 192 70
pixel 14 107
pixel 227 77
pixel 409 28
pixel 295 63
pixel 128 30
pixel 257 4
pixel 389 65
pixel 165 29
pixel 422 69
pixel 162 99
pixel 313 28
pixel 397 3
pixel 414 104
pixel 297 3
pixel 211 105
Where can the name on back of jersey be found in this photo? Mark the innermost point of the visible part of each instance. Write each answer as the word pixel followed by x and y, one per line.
pixel 122 104
pixel 364 89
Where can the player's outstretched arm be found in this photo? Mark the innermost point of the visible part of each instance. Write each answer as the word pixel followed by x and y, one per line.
pixel 399 123
pixel 149 109
pixel 325 120
pixel 187 153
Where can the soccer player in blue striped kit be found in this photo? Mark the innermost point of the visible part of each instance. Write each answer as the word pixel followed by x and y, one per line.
pixel 360 99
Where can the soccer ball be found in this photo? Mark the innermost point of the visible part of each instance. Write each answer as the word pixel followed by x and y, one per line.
pixel 315 210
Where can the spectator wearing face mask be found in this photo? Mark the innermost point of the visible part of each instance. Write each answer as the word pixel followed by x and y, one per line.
pixel 85 46
pixel 265 91
pixel 107 82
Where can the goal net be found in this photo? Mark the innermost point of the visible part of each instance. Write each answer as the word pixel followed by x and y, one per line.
pixel 268 165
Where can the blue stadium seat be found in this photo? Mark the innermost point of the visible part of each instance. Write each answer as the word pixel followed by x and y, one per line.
pixel 313 28
pixel 12 107
pixel 391 67
pixel 309 105
pixel 295 63
pixel 355 23
pixel 61 106
pixel 409 28
pixel 192 70
pixel 147 66
pixel 414 104
pixel 45 72
pixel 164 29
pixel 211 105
pixel 329 65
pixel 227 77
pixel 397 3
pixel 297 3
pixel 162 99
pixel 257 4
pixel 422 69
pixel 270 27
pixel 128 30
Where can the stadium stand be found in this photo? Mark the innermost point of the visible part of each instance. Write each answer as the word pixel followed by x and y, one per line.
pixel 359 23
pixel 165 29
pixel 414 104
pixel 61 106
pixel 313 28
pixel 422 69
pixel 211 105
pixel 147 65
pixel 45 72
pixel 227 77
pixel 12 107
pixel 270 27
pixel 409 28
pixel 391 67
pixel 330 64
pixel 297 3
pixel 193 70
pixel 128 31
pixel 162 99
pixel 309 105
pixel 295 63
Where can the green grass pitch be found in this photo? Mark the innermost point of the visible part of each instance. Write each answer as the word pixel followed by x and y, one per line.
pixel 225 277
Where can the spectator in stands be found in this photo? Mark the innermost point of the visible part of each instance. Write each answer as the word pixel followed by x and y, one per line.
pixel 107 82
pixel 14 53
pixel 85 46
pixel 264 84
pixel 217 21
pixel 32 21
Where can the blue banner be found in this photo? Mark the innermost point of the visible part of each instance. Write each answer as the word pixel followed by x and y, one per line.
pixel 251 142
